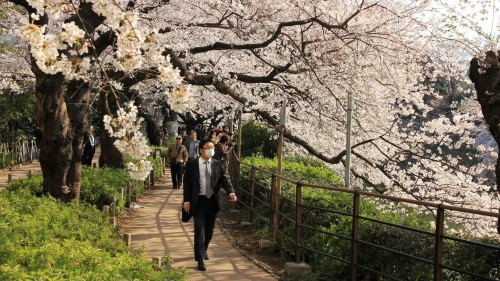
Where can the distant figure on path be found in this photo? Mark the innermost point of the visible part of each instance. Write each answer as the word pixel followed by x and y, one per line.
pixel 203 180
pixel 89 149
pixel 192 146
pixel 178 157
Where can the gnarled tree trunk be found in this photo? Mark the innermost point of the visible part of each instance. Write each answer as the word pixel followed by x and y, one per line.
pixel 487 87
pixel 62 116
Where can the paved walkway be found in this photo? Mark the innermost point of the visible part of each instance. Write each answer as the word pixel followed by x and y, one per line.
pixel 18 172
pixel 157 225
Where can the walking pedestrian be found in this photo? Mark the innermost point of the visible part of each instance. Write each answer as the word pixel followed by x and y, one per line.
pixel 178 159
pixel 203 181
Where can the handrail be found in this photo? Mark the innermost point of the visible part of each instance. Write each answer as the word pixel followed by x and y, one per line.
pixel 440 211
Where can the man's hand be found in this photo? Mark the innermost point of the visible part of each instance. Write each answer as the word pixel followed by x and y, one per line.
pixel 233 197
pixel 186 206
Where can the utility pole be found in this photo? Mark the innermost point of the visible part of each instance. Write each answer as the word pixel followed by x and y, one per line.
pixel 348 142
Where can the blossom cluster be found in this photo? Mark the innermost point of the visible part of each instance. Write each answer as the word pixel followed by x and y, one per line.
pixel 180 98
pixel 125 126
pixel 67 51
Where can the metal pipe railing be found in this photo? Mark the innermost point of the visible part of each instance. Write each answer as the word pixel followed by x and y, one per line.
pixel 439 236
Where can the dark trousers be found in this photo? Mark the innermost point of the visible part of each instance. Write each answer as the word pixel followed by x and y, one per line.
pixel 87 158
pixel 204 223
pixel 176 173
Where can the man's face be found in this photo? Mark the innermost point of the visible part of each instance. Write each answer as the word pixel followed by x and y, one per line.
pixel 192 136
pixel 183 132
pixel 178 141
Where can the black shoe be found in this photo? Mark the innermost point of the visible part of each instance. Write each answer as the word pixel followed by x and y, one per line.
pixel 201 266
pixel 206 256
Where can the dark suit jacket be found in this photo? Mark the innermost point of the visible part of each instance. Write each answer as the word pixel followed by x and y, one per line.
pixel 192 183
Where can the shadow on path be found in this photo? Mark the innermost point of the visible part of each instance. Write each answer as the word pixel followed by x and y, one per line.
pixel 157 225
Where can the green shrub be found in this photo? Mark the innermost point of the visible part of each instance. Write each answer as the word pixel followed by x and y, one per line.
pixel 43 239
pixel 257 140
pixel 97 186
pixel 163 149
pixel 5 159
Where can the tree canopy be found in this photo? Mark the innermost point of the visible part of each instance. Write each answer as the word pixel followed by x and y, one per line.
pixel 311 52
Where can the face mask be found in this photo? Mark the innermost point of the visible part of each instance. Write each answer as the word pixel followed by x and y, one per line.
pixel 209 152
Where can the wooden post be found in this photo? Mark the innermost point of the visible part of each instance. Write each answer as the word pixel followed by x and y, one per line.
pixel 278 183
pixel 152 177
pixel 163 162
pixel 298 221
pixel 30 173
pixel 105 209
pixel 9 179
pixel 272 206
pixel 252 195
pixel 128 239
pixel 129 194
pixel 157 262
pixel 94 165
pixel 31 151
pixel 113 211
pixel 238 151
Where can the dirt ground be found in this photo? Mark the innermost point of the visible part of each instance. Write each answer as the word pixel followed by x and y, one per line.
pixel 246 240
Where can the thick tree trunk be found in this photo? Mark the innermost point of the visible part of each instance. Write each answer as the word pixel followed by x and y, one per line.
pixel 488 95
pixel 57 137
pixel 487 87
pixel 153 130
pixel 62 114
pixel 77 98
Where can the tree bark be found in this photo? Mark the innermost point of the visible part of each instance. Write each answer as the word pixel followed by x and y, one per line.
pixel 110 155
pixel 57 136
pixel 77 103
pixel 487 87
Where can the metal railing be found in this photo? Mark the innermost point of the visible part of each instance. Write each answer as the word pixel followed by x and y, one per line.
pixel 258 194
pixel 22 152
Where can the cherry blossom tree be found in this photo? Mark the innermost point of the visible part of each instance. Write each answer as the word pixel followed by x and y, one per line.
pixel 72 45
pixel 257 53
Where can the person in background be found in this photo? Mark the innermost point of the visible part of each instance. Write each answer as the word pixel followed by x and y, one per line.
pixel 89 149
pixel 200 132
pixel 184 135
pixel 203 181
pixel 192 146
pixel 178 159
pixel 230 143
pixel 212 135
pixel 222 151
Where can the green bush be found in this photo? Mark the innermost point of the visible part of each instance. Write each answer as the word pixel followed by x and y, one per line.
pixel 257 140
pixel 97 186
pixel 5 159
pixel 43 239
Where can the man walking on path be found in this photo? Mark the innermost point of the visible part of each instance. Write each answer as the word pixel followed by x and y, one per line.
pixel 203 180
pixel 178 158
